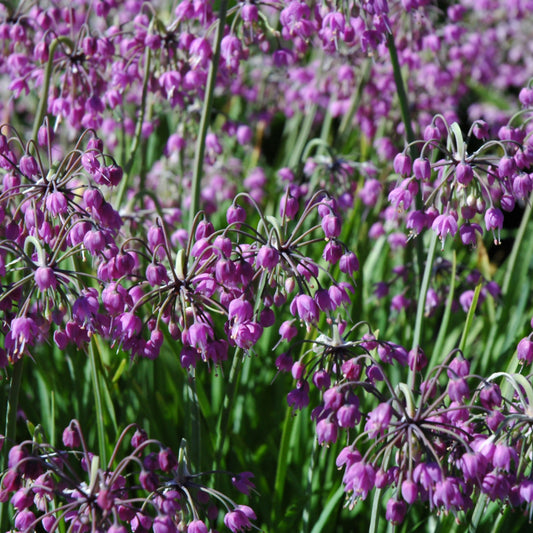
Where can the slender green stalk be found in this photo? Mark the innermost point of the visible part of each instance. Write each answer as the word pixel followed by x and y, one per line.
pixel 11 426
pixel 515 271
pixel 306 513
pixel 195 421
pixel 376 500
pixel 138 130
pixel 409 133
pixel 299 146
pixel 443 330
pixel 227 407
pixel 282 463
pixel 354 103
pixel 206 116
pixel 95 376
pixel 333 501
pixel 402 95
pixel 511 264
pixel 420 310
pixel 43 101
pixel 479 511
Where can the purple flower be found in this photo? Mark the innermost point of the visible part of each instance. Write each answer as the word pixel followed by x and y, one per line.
pixel 24 520
pixel 524 351
pixel 402 164
pixel 197 526
pixel 237 520
pixel 298 398
pixel 464 173
pixel 349 263
pixel 396 511
pixel 360 478
pixel 45 278
pixel 305 308
pixel 331 226
pixel 493 219
pixel 468 233
pixel 422 169
pixel 242 482
pixel 326 431
pixel 378 420
pixel 444 224
pixel 267 257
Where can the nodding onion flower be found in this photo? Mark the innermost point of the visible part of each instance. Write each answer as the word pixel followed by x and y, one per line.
pixel 462 184
pixel 148 486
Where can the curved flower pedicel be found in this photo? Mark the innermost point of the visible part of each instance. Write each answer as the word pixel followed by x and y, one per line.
pixel 143 488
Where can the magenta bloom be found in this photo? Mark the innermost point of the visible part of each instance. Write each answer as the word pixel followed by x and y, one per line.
pixel 305 308
pixel 197 526
pixel 45 278
pixel 360 477
pixel 524 351
pixel 396 511
pixel 444 224
pixel 326 431
pixel 493 219
pixel 378 420
pixel 237 521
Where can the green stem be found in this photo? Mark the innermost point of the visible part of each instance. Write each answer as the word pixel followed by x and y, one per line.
pixel 420 310
pixel 195 420
pixel 229 400
pixel 282 463
pixel 354 103
pixel 138 130
pixel 443 330
pixel 376 500
pixel 306 514
pixel 300 144
pixel 409 133
pixel 43 101
pixel 516 273
pixel 98 399
pixel 516 247
pixel 206 115
pixel 11 426
pixel 402 95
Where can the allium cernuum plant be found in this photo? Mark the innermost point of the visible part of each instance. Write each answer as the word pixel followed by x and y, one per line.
pixel 266 266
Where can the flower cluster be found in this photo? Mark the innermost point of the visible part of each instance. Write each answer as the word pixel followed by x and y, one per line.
pixel 173 177
pixel 53 216
pixel 443 440
pixel 240 272
pixel 147 488
pixel 462 184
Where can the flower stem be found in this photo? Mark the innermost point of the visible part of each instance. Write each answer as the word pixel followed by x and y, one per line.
pixel 443 329
pixel 43 101
pixel 99 408
pixel 469 318
pixel 138 131
pixel 233 382
pixel 11 425
pixel 306 514
pixel 417 334
pixel 409 133
pixel 195 420
pixel 206 115
pixel 402 95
